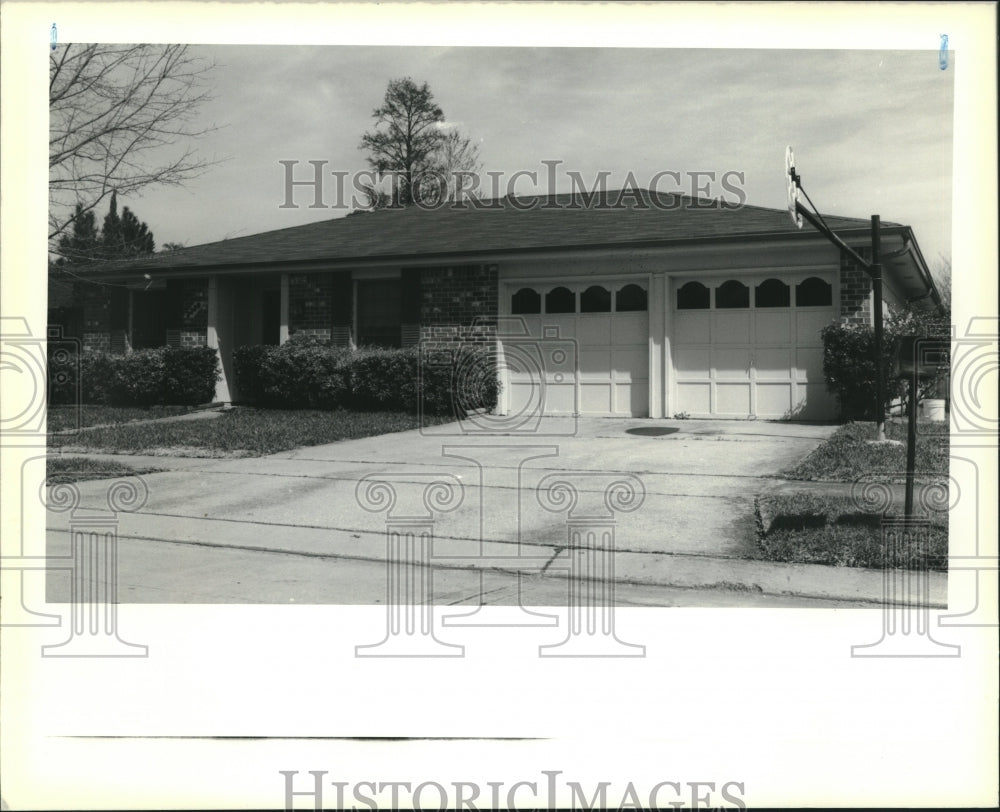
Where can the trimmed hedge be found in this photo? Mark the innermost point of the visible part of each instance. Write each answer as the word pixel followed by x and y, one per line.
pixel 849 365
pixel 184 376
pixel 315 375
pixel 849 369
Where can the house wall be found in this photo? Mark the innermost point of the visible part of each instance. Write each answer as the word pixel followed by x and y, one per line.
pixel 451 299
pixel 855 294
pixel 458 304
pixel 310 304
pixel 96 304
pixel 194 312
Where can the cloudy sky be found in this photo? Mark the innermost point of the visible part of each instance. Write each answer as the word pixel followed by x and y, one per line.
pixel 872 130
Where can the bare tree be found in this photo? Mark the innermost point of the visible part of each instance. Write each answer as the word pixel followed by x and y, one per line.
pixel 456 162
pixel 119 120
pixel 942 280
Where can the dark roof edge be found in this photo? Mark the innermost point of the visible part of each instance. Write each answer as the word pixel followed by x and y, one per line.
pixel 486 252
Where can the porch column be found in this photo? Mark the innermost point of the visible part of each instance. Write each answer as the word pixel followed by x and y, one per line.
pixel 217 337
pixel 667 352
pixel 283 328
pixel 129 341
pixel 657 334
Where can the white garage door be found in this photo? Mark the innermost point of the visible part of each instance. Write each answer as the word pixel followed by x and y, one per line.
pixel 585 349
pixel 751 347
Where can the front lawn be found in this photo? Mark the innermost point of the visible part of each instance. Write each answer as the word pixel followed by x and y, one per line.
pixel 810 528
pixel 241 432
pixel 848 454
pixel 78 469
pixel 67 418
pixel 826 526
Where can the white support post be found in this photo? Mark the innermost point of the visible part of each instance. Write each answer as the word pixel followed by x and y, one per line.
pixel 283 328
pixel 219 322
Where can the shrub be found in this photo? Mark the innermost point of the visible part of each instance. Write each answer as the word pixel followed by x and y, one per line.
pixel 303 375
pixel 247 363
pixel 137 378
pixel 849 365
pixel 63 376
pixel 97 378
pixel 189 375
pixel 168 375
pixel 460 381
pixel 384 379
pixel 849 369
pixel 313 374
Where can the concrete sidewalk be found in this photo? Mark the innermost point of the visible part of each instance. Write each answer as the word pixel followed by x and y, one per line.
pixel 691 531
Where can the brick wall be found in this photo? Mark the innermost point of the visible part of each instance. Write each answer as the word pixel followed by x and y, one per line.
pixel 310 303
pixel 322 333
pixel 96 341
pixel 457 295
pixel 194 338
pixel 96 303
pixel 193 297
pixel 445 336
pixel 855 294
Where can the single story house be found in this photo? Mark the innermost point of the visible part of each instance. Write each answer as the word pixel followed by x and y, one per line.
pixel 618 304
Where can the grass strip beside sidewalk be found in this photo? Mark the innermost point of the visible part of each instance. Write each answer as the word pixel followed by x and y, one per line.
pixel 241 432
pixel 818 528
pixel 68 418
pixel 850 453
pixel 823 524
pixel 79 469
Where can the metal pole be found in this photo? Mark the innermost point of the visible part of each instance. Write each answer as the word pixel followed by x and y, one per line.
pixel 911 444
pixel 876 274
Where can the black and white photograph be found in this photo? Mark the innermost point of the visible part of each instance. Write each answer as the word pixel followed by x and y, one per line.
pixel 482 406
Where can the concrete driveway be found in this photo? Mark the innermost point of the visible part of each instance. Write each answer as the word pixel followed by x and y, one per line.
pixel 692 496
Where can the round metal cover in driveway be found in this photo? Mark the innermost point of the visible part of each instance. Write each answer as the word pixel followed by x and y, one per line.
pixel 651 431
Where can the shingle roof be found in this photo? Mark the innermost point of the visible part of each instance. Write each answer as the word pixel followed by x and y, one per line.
pixel 495 226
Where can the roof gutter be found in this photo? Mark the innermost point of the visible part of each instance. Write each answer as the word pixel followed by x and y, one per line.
pixel 910 247
pixel 179 271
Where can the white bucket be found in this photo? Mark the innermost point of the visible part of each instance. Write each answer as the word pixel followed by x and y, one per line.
pixel 933 409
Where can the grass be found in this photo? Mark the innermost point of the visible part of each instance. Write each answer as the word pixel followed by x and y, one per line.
pixel 808 528
pixel 242 431
pixel 78 469
pixel 67 418
pixel 848 455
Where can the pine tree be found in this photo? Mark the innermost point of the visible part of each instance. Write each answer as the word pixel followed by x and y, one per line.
pixel 124 236
pixel 84 244
pixel 111 231
pixel 136 238
pixel 411 136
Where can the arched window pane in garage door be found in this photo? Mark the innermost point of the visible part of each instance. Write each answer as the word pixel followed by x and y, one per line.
pixel 813 292
pixel 595 299
pixel 693 296
pixel 526 301
pixel 772 293
pixel 631 299
pixel 560 300
pixel 731 295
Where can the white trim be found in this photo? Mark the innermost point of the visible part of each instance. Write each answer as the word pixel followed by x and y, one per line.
pixel 284 308
pixel 507 287
pixel 751 280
